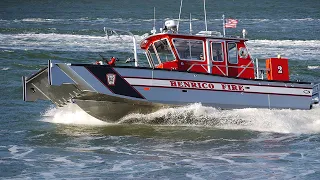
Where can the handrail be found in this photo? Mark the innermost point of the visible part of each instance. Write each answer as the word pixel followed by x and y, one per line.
pixel 112 30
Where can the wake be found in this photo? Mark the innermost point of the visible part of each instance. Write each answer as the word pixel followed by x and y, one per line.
pixel 262 120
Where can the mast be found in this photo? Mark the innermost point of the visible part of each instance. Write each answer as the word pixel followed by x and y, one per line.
pixel 154 31
pixel 179 15
pixel 224 26
pixel 190 24
pixel 205 14
pixel 154 17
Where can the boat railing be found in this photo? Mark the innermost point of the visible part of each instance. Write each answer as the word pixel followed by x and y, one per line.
pixel 111 31
pixel 260 71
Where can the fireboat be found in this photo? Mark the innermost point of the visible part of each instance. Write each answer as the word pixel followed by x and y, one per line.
pixel 207 68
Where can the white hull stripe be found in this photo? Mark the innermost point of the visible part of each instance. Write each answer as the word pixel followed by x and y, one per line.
pixel 219 86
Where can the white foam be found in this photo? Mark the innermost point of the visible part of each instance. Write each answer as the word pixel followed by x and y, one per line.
pixel 313 67
pixel 63 160
pixel 71 114
pixel 67 42
pixel 48 175
pixel 10 51
pixel 264 120
pixel 36 20
pixel 19 152
pixel 5 68
pixel 194 176
pixel 123 165
pixel 292 49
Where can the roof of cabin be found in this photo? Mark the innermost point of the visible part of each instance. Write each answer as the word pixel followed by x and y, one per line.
pixel 160 36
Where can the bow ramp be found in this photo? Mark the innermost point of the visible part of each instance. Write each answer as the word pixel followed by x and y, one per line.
pixel 57 82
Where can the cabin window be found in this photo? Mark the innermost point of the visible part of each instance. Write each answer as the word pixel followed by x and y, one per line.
pixel 160 51
pixel 217 51
pixel 152 56
pixel 232 53
pixel 189 49
pixel 164 50
pixel 150 59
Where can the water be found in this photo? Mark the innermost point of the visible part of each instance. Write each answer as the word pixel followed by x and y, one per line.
pixel 39 141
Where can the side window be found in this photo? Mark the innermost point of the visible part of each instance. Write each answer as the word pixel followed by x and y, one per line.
pixel 232 53
pixel 164 50
pixel 216 51
pixel 152 55
pixel 189 49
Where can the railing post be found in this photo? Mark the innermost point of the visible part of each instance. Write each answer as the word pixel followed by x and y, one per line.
pixel 257 69
pixel 209 63
pixel 133 40
pixel 135 51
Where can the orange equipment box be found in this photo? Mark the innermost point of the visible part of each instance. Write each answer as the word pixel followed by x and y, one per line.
pixel 277 69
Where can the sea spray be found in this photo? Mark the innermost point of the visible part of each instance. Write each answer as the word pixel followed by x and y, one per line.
pixel 70 114
pixel 262 120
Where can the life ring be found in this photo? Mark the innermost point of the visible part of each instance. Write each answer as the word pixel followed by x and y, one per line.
pixel 243 52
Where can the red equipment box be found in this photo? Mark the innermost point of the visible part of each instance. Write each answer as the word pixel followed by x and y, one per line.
pixel 277 69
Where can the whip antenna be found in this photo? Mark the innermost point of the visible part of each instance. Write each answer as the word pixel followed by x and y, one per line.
pixel 154 31
pixel 205 14
pixel 179 15
pixel 190 24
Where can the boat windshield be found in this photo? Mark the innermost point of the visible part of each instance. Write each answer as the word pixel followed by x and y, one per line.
pixel 160 51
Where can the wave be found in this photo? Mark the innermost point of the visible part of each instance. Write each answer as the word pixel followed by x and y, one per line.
pixel 292 49
pixel 126 20
pixel 39 20
pixel 261 49
pixel 70 114
pixel 66 42
pixel 262 120
pixel 314 67
pixel 301 19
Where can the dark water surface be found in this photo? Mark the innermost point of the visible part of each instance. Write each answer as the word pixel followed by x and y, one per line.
pixel 39 141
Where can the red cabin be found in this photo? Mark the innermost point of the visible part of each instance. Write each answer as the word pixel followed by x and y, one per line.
pixel 196 53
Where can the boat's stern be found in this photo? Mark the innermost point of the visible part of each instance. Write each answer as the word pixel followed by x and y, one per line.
pixel 316 93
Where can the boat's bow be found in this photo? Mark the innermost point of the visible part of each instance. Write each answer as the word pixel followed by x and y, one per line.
pixel 38 86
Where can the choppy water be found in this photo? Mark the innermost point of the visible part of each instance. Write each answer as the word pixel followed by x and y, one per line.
pixel 39 141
